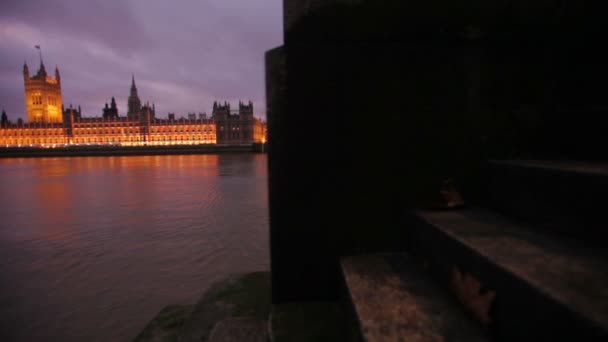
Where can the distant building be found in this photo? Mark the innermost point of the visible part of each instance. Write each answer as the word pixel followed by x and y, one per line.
pixel 77 113
pixel 135 110
pixel 237 127
pixel 133 104
pixel 139 127
pixel 43 102
pixel 4 119
pixel 110 112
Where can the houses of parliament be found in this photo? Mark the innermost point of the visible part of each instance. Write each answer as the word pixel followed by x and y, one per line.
pixel 49 124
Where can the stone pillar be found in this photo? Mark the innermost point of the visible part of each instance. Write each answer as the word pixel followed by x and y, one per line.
pixel 293 10
pixel 371 106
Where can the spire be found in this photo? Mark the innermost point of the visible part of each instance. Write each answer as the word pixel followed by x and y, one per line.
pixel 57 77
pixel 40 53
pixel 133 103
pixel 42 68
pixel 133 87
pixel 26 71
pixel 42 71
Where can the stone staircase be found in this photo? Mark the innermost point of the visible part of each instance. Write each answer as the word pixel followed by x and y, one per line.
pixel 528 265
pixel 394 299
pixel 556 196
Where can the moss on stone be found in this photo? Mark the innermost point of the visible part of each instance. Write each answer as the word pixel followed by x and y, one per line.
pixel 248 295
pixel 166 325
pixel 239 295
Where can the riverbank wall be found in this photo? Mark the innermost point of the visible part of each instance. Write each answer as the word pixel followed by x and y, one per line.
pixel 89 151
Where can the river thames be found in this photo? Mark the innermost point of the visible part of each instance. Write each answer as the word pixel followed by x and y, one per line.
pixel 91 248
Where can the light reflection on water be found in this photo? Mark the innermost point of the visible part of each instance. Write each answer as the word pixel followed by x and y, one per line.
pixel 91 248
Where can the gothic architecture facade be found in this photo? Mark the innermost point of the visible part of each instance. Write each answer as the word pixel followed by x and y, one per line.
pixel 48 126
pixel 135 110
pixel 43 102
pixel 239 126
pixel 110 112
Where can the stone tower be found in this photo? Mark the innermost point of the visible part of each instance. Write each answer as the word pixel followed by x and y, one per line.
pixel 110 112
pixel 43 100
pixel 133 104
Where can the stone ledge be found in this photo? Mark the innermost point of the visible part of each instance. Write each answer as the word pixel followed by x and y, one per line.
pixel 546 287
pixel 394 301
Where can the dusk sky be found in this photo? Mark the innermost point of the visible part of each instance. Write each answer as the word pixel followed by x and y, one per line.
pixel 185 54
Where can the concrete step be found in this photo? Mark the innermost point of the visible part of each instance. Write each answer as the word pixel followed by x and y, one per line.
pixel 546 287
pixel 240 329
pixel 394 300
pixel 559 196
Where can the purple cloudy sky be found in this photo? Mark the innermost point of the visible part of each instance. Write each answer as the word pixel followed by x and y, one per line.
pixel 184 53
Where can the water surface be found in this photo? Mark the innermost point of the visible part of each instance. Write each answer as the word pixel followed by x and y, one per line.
pixel 91 248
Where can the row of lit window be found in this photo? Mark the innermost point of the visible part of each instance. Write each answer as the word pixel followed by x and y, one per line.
pixel 103 131
pixel 184 128
pixel 22 132
pixel 181 137
pixel 105 139
pixel 132 138
pixel 31 141
pixel 52 100
pixel 37 99
pixel 57 132
pixel 102 124
pixel 176 128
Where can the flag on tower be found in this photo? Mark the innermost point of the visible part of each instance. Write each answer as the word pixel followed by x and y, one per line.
pixel 38 47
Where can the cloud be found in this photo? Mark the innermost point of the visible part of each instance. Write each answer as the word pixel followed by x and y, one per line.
pixel 184 54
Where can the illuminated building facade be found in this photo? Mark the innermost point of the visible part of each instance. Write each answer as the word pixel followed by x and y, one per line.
pixel 237 127
pixel 115 131
pixel 43 101
pixel 140 127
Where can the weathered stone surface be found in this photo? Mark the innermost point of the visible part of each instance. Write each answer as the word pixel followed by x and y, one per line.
pixel 556 196
pixel 240 329
pixel 166 326
pixel 244 295
pixel 394 301
pixel 546 287
pixel 598 168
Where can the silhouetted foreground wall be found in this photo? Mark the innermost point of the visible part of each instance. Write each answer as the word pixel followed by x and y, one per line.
pixel 405 96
